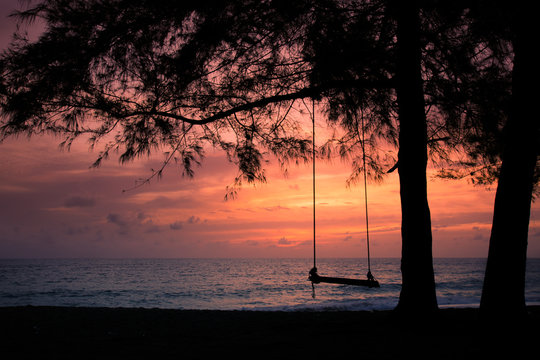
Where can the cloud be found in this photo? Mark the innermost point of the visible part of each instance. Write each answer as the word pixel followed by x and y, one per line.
pixel 276 208
pixel 77 230
pixel 479 237
pixel 140 222
pixel 11 188
pixel 284 241
pixel 178 225
pixel 151 228
pixel 193 219
pixel 79 201
pixel 116 219
pixel 166 202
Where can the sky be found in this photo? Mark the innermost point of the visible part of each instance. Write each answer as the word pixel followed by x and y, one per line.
pixel 53 205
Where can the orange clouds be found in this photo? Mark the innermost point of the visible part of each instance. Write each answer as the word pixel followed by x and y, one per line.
pixel 53 205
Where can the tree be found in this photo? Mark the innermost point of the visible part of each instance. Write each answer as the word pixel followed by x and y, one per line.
pixel 504 283
pixel 418 289
pixel 488 102
pixel 160 73
pixel 402 60
pixel 139 75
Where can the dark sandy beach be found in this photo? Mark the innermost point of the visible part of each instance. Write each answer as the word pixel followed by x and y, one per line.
pixel 107 333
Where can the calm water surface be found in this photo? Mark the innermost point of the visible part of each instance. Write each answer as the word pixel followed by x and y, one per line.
pixel 232 284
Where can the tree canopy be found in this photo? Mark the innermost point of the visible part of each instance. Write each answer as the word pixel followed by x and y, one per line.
pixel 142 74
pixel 137 76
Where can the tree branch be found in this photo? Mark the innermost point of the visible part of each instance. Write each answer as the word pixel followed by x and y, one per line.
pixel 311 92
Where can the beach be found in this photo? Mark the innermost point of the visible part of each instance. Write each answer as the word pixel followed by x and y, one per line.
pixel 126 333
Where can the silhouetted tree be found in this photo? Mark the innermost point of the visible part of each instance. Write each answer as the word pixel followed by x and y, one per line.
pixel 488 109
pixel 227 74
pixel 139 75
pixel 418 288
pixel 504 284
pixel 163 73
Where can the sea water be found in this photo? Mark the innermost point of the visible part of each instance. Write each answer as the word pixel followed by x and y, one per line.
pixel 233 284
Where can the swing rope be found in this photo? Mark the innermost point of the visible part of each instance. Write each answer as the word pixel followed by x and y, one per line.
pixel 366 199
pixel 314 269
pixel 313 155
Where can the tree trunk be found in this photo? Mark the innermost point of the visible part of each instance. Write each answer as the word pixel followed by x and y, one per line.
pixel 418 281
pixel 503 292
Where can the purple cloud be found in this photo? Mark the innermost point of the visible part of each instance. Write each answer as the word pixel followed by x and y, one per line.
pixel 176 225
pixel 79 201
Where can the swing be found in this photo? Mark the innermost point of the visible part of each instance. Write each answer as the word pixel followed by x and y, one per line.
pixel 314 277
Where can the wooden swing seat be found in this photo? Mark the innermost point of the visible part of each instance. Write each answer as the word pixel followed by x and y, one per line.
pixel 316 279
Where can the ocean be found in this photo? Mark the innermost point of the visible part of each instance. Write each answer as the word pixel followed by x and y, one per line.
pixel 233 284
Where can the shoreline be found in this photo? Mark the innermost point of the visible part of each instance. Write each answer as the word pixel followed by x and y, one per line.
pixel 103 333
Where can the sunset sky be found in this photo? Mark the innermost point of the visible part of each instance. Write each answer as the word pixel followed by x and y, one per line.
pixel 53 205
